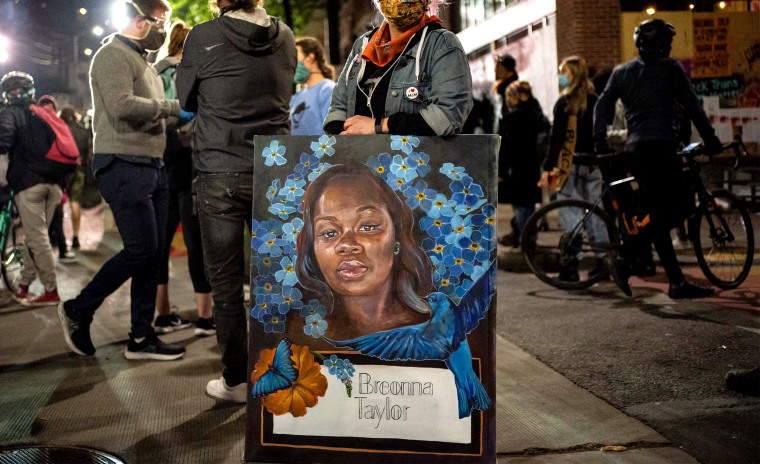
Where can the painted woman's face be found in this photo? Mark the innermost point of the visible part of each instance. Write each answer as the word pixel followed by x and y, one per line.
pixel 353 239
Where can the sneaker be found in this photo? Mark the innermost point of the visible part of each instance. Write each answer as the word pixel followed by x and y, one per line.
pixel 75 243
pixel 68 257
pixel 21 294
pixel 76 333
pixel 47 298
pixel 218 388
pixel 745 381
pixel 686 289
pixel 510 240
pixel 170 323
pixel 152 348
pixel 205 327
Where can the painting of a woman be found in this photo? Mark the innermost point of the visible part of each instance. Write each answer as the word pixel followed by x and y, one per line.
pixel 356 253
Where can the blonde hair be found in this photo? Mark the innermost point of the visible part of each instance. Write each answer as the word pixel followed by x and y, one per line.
pixel 580 86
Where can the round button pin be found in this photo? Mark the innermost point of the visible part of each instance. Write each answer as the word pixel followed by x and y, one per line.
pixel 412 93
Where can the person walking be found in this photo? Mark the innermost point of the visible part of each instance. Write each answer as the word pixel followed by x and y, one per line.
pixel 79 178
pixel 179 167
pixel 37 192
pixel 237 74
pixel 649 87
pixel 130 136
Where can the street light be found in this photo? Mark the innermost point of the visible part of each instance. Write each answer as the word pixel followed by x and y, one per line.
pixel 97 30
pixel 650 10
pixel 722 5
pixel 83 11
pixel 119 17
pixel 88 51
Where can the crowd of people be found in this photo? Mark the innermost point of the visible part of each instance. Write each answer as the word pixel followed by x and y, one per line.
pixel 173 144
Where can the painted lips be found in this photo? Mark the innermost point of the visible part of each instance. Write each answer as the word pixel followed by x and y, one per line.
pixel 351 269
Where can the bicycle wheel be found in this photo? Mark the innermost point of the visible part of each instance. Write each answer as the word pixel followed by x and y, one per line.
pixel 724 242
pixel 565 242
pixel 12 258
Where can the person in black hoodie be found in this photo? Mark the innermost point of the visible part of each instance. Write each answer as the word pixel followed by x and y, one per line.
pixel 236 73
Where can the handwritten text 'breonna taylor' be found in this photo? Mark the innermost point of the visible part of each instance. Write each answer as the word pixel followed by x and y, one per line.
pixel 379 409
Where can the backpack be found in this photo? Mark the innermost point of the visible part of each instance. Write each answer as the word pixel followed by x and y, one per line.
pixel 47 146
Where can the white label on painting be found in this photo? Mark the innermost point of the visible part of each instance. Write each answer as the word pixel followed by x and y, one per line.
pixel 409 403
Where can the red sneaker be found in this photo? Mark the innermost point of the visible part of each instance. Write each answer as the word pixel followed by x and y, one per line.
pixel 22 293
pixel 47 298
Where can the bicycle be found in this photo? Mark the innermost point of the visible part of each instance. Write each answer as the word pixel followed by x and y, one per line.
pixel 723 238
pixel 11 247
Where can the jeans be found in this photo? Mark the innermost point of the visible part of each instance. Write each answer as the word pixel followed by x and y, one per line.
pixel 181 210
pixel 36 207
pixel 138 195
pixel 584 183
pixel 522 213
pixel 225 202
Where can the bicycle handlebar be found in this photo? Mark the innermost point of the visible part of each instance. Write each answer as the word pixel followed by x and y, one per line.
pixel 698 148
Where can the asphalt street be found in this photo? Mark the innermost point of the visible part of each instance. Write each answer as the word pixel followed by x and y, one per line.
pixel 658 360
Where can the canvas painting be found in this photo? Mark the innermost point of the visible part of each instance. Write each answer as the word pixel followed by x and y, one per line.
pixel 371 333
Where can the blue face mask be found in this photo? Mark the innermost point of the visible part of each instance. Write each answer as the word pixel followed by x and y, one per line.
pixel 564 82
pixel 302 74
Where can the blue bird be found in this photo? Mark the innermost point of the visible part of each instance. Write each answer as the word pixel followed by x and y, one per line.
pixel 443 337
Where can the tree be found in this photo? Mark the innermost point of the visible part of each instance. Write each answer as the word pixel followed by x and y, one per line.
pixel 196 11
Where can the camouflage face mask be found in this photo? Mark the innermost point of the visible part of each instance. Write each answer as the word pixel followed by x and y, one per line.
pixel 402 14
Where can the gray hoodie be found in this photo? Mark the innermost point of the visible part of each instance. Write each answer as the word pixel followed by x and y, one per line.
pixel 237 75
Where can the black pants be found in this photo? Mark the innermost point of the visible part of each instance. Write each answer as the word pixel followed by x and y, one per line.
pixel 663 195
pixel 181 211
pixel 138 195
pixel 225 204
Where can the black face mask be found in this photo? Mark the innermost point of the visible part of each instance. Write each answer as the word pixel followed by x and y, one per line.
pixel 154 40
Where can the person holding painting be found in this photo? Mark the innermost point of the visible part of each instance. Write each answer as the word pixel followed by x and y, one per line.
pixel 410 76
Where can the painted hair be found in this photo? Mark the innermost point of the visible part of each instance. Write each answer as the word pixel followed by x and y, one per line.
pixel 412 271
pixel 177 38
pixel 580 86
pixel 310 45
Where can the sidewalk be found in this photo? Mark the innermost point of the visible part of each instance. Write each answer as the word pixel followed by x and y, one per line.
pixel 158 412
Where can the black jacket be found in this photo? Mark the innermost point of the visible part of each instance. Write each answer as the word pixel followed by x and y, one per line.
pixel 238 77
pixel 649 88
pixel 519 161
pixel 12 119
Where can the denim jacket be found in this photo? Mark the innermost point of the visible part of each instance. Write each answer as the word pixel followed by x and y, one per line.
pixel 436 66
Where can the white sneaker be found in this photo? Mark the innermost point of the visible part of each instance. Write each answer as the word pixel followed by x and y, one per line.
pixel 218 388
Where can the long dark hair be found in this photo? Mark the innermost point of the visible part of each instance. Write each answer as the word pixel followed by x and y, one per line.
pixel 177 38
pixel 412 270
pixel 311 45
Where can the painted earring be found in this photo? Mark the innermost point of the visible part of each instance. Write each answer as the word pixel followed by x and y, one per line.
pixel 396 248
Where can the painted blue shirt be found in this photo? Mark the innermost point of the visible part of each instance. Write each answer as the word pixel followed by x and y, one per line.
pixel 309 107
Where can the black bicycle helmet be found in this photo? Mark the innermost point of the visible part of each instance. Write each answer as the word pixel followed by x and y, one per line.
pixel 17 87
pixel 654 35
